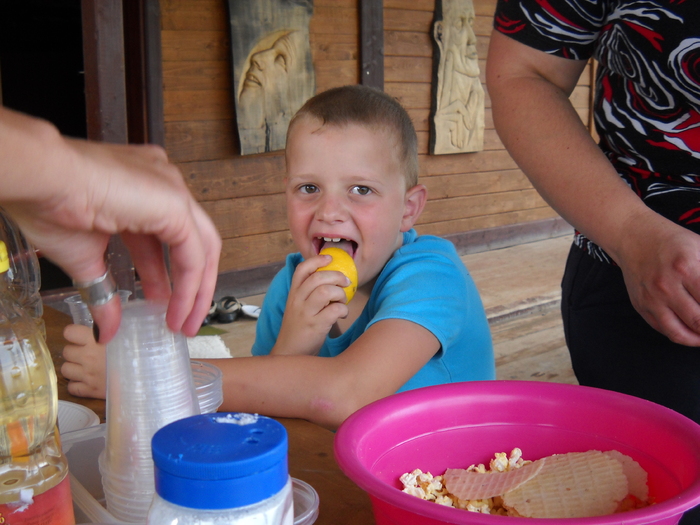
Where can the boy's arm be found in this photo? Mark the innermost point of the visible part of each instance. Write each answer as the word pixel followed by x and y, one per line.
pixel 326 390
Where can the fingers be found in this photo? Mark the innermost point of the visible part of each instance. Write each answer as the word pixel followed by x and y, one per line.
pixel 107 318
pixel 669 324
pixel 78 334
pixel 85 365
pixel 680 321
pixel 149 260
pixel 194 275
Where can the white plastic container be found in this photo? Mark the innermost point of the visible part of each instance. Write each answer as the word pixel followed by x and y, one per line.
pixel 222 468
pixel 83 447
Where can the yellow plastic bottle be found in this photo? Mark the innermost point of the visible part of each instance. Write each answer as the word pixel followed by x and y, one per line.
pixel 34 483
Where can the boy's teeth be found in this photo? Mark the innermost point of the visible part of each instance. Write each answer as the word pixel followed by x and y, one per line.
pixel 331 239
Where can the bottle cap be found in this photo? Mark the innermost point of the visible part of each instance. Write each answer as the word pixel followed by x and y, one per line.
pixel 220 461
pixel 4 259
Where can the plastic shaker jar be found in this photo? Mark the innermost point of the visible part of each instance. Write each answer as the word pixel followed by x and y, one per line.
pixel 228 467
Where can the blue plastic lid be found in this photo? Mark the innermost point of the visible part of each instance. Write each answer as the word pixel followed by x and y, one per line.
pixel 220 461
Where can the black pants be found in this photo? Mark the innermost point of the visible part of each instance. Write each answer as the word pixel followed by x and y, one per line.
pixel 612 347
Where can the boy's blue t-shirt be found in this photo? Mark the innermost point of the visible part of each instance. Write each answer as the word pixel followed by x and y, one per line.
pixel 424 282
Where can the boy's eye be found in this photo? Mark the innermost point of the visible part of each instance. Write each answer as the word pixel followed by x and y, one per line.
pixel 308 188
pixel 361 190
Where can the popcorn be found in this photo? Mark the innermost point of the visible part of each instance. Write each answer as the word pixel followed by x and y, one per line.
pixel 577 484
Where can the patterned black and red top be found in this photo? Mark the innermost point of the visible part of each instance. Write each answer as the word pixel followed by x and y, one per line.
pixel 647 105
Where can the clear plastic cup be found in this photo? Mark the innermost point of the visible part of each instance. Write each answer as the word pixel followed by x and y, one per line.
pixel 208 385
pixel 80 312
pixel 149 384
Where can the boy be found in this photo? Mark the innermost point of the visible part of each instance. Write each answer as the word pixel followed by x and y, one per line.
pixel 416 318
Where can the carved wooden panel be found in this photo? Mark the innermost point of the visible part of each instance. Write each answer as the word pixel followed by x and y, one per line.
pixel 272 70
pixel 458 97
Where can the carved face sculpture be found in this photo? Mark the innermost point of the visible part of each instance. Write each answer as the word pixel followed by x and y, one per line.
pixel 456 33
pixel 269 67
pixel 272 88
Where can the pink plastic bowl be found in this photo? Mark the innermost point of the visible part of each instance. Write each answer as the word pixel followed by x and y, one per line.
pixel 455 425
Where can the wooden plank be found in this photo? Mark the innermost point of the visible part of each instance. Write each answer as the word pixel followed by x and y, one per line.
pixel 255 250
pixel 372 43
pixel 405 20
pixel 334 47
pixel 407 43
pixel 335 73
pixel 533 348
pixel 335 21
pixel 197 105
pixel 202 15
pixel 408 69
pixel 412 95
pixel 414 5
pixel 189 45
pixel 248 216
pixel 200 75
pixel 483 222
pixel 235 177
pixel 474 205
pixel 463 184
pixel 201 140
pixel 466 162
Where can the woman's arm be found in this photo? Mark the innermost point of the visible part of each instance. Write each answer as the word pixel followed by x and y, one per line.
pixel 660 260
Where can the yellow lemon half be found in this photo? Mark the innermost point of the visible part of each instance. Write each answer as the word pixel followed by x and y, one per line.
pixel 343 263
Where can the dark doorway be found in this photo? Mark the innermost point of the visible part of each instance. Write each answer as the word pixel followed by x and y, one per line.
pixel 41 74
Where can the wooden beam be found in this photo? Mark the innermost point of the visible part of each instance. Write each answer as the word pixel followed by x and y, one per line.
pixel 153 62
pixel 105 99
pixel 144 72
pixel 372 43
pixel 103 55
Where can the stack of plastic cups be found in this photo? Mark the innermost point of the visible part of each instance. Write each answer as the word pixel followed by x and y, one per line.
pixel 149 384
pixel 208 386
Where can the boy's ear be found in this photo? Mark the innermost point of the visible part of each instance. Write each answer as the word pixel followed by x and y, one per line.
pixel 414 203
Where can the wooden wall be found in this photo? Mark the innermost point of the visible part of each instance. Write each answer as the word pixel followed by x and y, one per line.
pixel 245 195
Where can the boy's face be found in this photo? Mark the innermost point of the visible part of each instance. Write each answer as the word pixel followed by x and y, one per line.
pixel 346 183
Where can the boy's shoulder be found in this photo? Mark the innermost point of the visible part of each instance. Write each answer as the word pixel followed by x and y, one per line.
pixel 427 245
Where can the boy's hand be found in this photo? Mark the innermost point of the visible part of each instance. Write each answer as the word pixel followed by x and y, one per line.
pixel 86 363
pixel 316 301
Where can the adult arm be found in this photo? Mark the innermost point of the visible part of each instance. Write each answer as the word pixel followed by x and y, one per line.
pixel 68 196
pixel 660 260
pixel 326 390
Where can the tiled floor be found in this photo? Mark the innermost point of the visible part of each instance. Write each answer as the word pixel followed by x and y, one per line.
pixel 514 282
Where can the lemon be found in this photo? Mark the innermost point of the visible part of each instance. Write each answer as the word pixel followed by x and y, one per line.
pixel 343 263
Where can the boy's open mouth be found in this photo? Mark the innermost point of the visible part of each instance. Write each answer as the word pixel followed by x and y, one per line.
pixel 335 242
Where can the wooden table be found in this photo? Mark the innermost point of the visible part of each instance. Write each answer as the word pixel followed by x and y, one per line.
pixel 310 446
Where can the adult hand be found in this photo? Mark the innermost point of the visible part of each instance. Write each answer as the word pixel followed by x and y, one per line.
pixel 661 268
pixel 69 196
pixel 316 301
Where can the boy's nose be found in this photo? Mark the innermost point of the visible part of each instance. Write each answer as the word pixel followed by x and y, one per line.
pixel 330 209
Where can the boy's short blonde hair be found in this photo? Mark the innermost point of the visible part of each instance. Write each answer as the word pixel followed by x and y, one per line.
pixel 367 107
